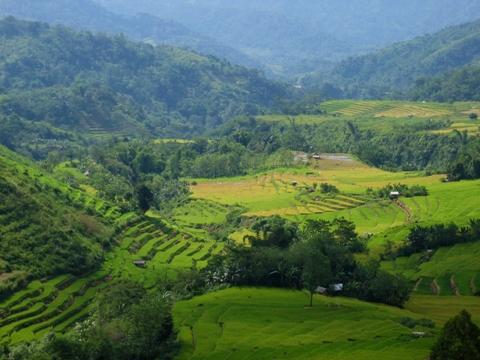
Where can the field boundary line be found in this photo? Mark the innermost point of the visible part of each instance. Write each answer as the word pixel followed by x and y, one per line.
pixel 454 286
pixel 405 209
pixel 435 287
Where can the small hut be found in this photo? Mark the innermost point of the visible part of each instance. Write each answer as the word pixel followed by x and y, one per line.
pixel 321 290
pixel 394 195
pixel 140 263
pixel 337 287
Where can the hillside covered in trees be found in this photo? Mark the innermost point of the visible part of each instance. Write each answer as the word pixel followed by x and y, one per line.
pixel 457 85
pixel 393 71
pixel 44 230
pixel 88 15
pixel 292 38
pixel 94 83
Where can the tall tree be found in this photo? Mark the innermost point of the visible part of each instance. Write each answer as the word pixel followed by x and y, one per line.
pixel 460 339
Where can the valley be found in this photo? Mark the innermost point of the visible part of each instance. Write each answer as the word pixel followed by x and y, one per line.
pixel 160 201
pixel 170 245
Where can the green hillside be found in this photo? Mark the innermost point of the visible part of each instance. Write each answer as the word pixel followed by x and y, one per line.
pixel 298 37
pixel 456 85
pixel 160 203
pixel 46 227
pixel 95 84
pixel 88 15
pixel 265 323
pixel 449 271
pixel 61 245
pixel 395 69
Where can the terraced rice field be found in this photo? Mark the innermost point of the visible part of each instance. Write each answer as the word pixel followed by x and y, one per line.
pixel 164 249
pixel 354 108
pixel 275 324
pixel 273 193
pixel 211 326
pixel 457 202
pixel 472 128
pixel 56 304
pixel 394 109
pixel 449 271
pixel 199 211
pixel 46 306
pixel 442 308
pixel 389 115
pixel 280 192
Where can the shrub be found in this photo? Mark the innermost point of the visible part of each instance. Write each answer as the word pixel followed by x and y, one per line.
pixel 328 189
pixel 460 339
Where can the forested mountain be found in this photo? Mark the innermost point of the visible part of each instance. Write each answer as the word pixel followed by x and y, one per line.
pixel 394 70
pixel 457 85
pixel 294 37
pixel 88 15
pixel 94 83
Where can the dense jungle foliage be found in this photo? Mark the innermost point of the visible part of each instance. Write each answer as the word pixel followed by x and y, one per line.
pixel 94 83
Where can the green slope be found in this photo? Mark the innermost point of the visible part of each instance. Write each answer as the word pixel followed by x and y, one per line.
pixel 459 84
pixel 396 68
pixel 100 85
pixel 88 15
pixel 274 324
pixel 44 230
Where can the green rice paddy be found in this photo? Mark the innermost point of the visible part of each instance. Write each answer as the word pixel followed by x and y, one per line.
pixel 251 323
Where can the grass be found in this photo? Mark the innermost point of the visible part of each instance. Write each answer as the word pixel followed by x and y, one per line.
pixel 200 211
pixel 390 115
pixel 55 305
pixel 272 192
pixel 275 324
pixel 55 302
pixel 443 308
pixel 459 261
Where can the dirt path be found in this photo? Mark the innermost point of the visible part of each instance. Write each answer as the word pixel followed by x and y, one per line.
pixel 405 209
pixel 435 287
pixel 417 284
pixel 473 287
pixel 453 286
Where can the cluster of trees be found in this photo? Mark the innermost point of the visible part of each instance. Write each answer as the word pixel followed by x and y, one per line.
pixel 467 166
pixel 459 339
pixel 326 188
pixel 404 147
pixel 145 174
pixel 404 190
pixel 459 85
pixel 127 324
pixel 433 237
pixel 318 255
